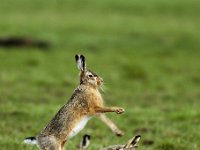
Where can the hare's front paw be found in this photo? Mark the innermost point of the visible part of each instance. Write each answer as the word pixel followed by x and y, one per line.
pixel 118 133
pixel 119 110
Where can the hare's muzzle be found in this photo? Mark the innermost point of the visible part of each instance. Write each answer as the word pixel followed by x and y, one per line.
pixel 99 81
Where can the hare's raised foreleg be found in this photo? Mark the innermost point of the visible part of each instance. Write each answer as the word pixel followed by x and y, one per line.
pixel 110 124
pixel 118 110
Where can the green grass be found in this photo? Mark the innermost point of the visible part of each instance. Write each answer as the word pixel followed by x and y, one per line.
pixel 146 51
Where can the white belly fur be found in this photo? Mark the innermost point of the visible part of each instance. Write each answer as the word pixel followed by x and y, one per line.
pixel 79 126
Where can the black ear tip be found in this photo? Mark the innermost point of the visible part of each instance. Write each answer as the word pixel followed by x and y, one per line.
pixel 138 136
pixel 82 57
pixel 135 140
pixel 76 57
pixel 87 136
pixel 83 60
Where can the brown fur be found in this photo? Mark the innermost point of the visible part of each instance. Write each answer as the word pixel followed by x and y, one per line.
pixel 85 101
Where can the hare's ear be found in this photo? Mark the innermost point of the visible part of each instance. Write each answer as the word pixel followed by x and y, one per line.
pixel 84 142
pixel 80 61
pixel 133 142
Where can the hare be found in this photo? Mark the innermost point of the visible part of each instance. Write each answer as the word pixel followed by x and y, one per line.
pixel 85 102
pixel 130 145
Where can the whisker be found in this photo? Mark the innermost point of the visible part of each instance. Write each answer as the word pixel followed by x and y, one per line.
pixel 103 88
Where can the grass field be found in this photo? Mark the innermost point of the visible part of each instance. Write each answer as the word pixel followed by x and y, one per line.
pixel 147 52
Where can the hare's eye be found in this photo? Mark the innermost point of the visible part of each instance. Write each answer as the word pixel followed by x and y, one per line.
pixel 90 76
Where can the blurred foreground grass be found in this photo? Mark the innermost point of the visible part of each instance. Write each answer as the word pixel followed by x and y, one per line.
pixel 146 51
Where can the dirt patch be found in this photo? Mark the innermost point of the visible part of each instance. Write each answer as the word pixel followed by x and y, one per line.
pixel 141 130
pixel 147 142
pixel 9 42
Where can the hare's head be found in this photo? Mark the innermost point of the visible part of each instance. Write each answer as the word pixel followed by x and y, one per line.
pixel 87 77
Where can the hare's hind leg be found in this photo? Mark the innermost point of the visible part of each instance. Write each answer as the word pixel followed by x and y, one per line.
pixel 63 145
pixel 51 147
pixel 55 147
pixel 49 143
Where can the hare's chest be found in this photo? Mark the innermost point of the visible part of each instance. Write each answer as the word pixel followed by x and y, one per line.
pixel 79 126
pixel 95 99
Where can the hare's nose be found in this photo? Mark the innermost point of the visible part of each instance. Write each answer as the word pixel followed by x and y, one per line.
pixel 101 80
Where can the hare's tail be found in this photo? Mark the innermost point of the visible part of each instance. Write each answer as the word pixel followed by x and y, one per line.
pixel 30 140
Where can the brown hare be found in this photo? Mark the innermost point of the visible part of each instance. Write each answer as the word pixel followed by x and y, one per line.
pixel 130 145
pixel 85 102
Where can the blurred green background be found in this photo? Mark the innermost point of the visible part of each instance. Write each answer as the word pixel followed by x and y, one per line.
pixel 146 51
